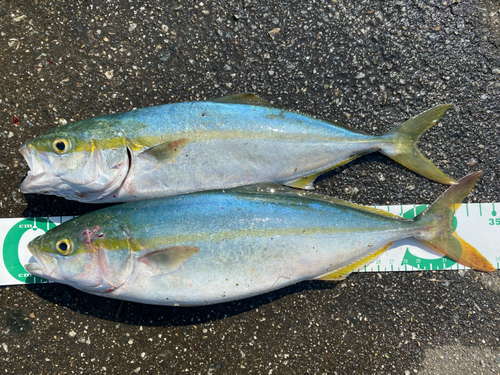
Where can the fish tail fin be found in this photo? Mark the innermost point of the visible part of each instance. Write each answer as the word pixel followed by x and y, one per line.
pixel 439 233
pixel 402 140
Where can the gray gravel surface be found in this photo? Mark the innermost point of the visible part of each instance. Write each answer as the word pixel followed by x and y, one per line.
pixel 368 64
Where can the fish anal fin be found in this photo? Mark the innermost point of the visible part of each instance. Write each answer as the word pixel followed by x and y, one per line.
pixel 168 259
pixel 307 183
pixel 344 162
pixel 167 150
pixel 337 125
pixel 244 98
pixel 343 272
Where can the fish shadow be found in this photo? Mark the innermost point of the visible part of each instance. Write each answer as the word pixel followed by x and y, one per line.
pixel 133 313
pixel 50 205
pixel 375 157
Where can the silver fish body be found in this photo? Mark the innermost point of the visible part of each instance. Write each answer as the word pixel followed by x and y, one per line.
pixel 214 247
pixel 196 146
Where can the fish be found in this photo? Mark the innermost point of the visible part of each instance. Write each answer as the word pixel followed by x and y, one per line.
pixel 225 143
pixel 219 246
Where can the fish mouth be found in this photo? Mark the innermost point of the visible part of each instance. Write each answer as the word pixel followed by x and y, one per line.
pixel 43 266
pixel 36 180
pixel 35 164
pixel 44 177
pixel 35 269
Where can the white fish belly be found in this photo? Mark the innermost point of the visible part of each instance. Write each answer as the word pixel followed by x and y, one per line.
pixel 224 164
pixel 243 267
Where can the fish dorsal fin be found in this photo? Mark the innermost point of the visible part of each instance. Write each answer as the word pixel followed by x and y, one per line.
pixel 244 98
pixel 276 189
pixel 342 273
pixel 336 124
pixel 167 150
pixel 371 210
pixel 168 259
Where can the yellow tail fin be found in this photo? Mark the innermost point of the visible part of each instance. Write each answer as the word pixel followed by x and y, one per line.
pixel 402 145
pixel 439 233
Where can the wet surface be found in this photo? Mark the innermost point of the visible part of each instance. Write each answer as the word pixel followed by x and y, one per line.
pixel 366 64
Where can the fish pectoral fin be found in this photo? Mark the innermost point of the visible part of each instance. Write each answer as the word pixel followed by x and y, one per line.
pixel 343 272
pixel 166 151
pixel 245 98
pixel 168 259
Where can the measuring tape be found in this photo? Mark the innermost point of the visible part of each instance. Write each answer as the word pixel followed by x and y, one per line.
pixel 476 223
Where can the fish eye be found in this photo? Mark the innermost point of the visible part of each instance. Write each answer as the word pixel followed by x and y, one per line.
pixel 64 246
pixel 61 145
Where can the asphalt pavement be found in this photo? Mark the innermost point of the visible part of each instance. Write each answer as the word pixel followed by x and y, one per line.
pixel 366 64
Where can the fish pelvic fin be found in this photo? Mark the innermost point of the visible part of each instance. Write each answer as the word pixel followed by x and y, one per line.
pixel 343 272
pixel 402 140
pixel 438 232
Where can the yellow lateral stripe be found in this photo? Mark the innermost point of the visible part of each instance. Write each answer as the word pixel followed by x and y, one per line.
pixel 188 239
pixel 141 142
pixel 110 143
pixel 210 135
